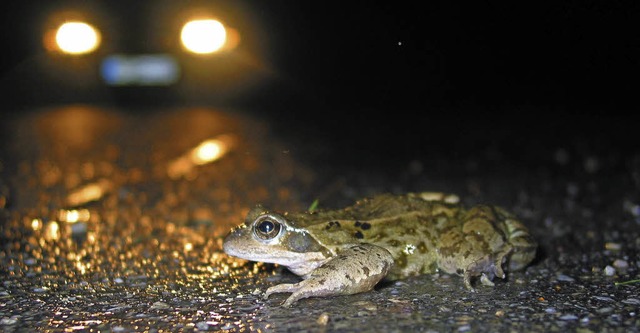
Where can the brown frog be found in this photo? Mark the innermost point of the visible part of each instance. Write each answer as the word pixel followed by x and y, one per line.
pixel 347 251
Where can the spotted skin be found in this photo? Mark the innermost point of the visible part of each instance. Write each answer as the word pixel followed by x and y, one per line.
pixel 350 250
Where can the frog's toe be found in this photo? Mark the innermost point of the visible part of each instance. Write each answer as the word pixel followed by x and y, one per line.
pixel 292 299
pixel 501 258
pixel 497 271
pixel 467 281
pixel 302 289
pixel 306 292
pixel 282 288
pixel 298 291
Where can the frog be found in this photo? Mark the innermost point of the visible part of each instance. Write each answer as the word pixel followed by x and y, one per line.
pixel 384 237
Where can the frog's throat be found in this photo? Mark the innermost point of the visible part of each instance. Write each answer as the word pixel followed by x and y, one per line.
pixel 304 267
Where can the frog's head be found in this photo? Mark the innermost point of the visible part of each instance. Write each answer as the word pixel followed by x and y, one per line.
pixel 270 237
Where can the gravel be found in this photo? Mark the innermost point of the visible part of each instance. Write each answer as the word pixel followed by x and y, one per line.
pixel 145 251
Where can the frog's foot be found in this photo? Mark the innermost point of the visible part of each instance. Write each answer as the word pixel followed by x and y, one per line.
pixel 467 276
pixel 486 269
pixel 496 267
pixel 296 289
pixel 485 279
pixel 354 270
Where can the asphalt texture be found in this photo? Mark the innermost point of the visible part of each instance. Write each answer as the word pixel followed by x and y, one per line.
pixel 108 223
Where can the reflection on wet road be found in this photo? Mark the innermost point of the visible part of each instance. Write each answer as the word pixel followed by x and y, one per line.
pixel 105 206
pixel 113 221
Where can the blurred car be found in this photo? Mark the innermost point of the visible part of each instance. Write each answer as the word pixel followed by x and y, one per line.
pixel 150 51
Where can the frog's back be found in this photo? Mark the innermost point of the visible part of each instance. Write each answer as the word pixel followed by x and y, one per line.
pixel 381 208
pixel 408 226
pixel 423 232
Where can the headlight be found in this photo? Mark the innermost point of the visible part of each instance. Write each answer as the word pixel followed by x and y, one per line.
pixel 77 38
pixel 203 36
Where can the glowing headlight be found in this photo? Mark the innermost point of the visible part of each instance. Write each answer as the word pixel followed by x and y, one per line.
pixel 77 38
pixel 203 36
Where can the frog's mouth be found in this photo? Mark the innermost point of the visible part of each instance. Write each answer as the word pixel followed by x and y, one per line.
pixel 300 263
pixel 275 253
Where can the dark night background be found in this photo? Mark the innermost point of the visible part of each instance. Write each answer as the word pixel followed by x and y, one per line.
pixel 575 56
pixel 415 77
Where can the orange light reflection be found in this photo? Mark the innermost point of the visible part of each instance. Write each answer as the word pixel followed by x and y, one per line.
pixel 74 215
pixel 207 151
pixel 36 224
pixel 52 231
pixel 90 192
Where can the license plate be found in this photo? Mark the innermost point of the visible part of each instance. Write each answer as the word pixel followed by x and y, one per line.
pixel 140 70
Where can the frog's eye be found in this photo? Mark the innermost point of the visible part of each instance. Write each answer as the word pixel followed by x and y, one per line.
pixel 267 228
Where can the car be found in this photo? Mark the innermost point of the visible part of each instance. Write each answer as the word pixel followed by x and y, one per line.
pixel 149 51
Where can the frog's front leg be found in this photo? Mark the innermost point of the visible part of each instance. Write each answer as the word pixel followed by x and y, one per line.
pixel 353 270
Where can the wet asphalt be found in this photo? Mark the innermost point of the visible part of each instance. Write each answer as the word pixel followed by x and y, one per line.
pixel 108 224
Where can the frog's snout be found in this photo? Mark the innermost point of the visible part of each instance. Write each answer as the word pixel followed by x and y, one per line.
pixel 234 241
pixel 228 245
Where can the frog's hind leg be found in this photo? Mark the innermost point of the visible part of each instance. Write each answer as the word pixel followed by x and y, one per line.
pixel 524 246
pixel 354 270
pixel 500 259
pixel 487 268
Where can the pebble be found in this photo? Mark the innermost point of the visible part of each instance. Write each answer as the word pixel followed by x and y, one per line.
pixel 604 298
pixel 249 307
pixel 565 278
pixel 160 305
pixel 573 189
pixel 78 228
pixel 605 310
pixel 369 306
pixel 227 327
pixel 632 301
pixel 631 207
pixel 612 246
pixel 550 310
pixel 561 156
pixel 569 317
pixel 202 325
pixel 8 321
pixel 591 164
pixel 117 308
pixel 464 328
pixel 118 280
pixel 620 264
pixel 609 271
pixel 323 319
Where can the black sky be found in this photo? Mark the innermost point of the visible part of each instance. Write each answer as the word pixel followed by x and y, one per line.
pixel 572 54
pixel 576 53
